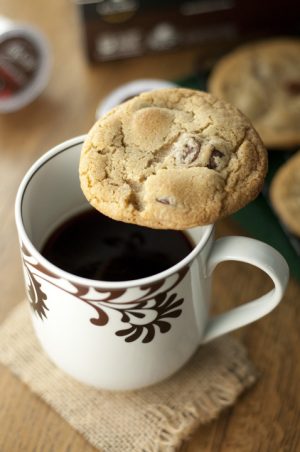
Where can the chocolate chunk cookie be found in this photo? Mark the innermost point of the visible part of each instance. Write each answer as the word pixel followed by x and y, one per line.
pixel 172 159
pixel 285 193
pixel 263 81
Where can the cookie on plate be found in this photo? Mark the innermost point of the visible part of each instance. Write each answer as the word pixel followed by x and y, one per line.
pixel 285 193
pixel 263 80
pixel 172 159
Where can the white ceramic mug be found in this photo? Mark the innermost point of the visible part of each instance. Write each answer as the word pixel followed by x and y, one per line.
pixel 125 335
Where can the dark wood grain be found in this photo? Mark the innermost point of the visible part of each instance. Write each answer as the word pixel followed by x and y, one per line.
pixel 267 417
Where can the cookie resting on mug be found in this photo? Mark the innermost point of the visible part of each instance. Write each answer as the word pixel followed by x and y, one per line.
pixel 172 159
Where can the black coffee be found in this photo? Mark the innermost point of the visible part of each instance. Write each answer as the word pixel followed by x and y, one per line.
pixel 93 246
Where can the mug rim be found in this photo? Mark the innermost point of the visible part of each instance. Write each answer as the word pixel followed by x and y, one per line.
pixel 64 146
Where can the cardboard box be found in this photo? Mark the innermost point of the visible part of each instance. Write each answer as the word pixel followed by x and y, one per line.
pixel 115 29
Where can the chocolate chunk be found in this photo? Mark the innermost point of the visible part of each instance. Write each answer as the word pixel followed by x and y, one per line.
pixel 212 164
pixel 190 152
pixel 166 201
pixel 293 87
pixel 186 149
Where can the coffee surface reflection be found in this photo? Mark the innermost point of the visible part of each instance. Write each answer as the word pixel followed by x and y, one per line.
pixel 94 246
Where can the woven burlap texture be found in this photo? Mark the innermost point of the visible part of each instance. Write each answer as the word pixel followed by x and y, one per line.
pixel 155 419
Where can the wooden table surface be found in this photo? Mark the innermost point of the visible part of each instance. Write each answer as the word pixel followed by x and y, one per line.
pixel 266 418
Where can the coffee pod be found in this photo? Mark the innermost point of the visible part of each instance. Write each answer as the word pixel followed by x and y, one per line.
pixel 24 64
pixel 129 90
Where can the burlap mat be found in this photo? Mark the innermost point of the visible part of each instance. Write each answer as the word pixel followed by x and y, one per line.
pixel 155 419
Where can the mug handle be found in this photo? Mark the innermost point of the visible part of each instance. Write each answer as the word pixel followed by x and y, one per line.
pixel 253 252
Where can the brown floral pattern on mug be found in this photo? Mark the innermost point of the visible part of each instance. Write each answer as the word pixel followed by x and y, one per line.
pixel 35 294
pixel 143 317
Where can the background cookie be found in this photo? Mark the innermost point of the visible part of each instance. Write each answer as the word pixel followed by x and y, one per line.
pixel 263 81
pixel 285 193
pixel 172 159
